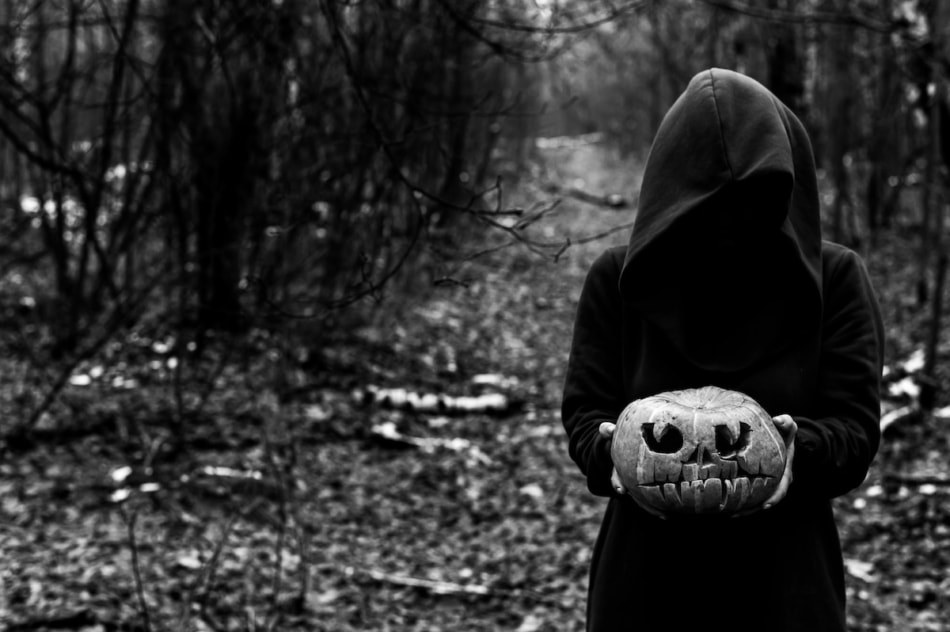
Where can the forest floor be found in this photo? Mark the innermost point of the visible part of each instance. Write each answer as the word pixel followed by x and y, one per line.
pixel 329 510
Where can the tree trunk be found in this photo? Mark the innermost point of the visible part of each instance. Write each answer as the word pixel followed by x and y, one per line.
pixel 881 145
pixel 929 234
pixel 930 383
pixel 222 193
pixel 712 43
pixel 662 65
pixel 786 64
pixel 839 130
pixel 936 205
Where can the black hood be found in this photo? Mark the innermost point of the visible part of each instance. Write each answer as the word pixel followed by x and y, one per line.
pixel 725 255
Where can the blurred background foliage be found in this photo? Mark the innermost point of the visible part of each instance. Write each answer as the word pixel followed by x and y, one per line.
pixel 209 168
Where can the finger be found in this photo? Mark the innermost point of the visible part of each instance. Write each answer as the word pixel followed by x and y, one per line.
pixel 607 429
pixel 616 483
pixel 783 484
pixel 786 426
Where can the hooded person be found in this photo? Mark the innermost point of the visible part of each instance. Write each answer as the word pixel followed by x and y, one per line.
pixel 727 282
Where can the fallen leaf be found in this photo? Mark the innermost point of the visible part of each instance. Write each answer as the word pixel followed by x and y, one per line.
pixel 189 560
pixel 324 598
pixel 531 623
pixel 859 569
pixel 119 474
pixel 533 490
pixel 120 495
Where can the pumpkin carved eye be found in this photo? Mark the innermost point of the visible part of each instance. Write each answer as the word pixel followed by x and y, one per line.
pixel 669 442
pixel 728 444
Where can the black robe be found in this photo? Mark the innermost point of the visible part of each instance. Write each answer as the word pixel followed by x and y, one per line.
pixel 726 281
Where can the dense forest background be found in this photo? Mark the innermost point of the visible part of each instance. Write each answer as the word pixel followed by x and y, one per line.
pixel 281 278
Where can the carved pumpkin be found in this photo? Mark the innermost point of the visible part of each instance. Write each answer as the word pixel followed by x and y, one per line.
pixel 698 451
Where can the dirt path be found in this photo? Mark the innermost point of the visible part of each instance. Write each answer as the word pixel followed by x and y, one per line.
pixel 497 534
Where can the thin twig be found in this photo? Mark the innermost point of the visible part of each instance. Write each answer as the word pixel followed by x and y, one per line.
pixel 846 18
pixel 916 479
pixel 581 26
pixel 208 572
pixel 136 570
pixel 272 412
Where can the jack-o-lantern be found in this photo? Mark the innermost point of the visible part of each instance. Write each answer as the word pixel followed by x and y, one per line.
pixel 698 451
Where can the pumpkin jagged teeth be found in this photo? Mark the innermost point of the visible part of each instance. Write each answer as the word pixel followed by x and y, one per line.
pixel 653 495
pixel 759 492
pixel 646 473
pixel 742 490
pixel 728 470
pixel 691 493
pixel 737 493
pixel 712 494
pixel 690 472
pixel 697 487
pixel 728 489
pixel 671 494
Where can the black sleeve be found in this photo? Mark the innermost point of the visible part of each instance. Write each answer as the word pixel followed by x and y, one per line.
pixel 593 388
pixel 835 449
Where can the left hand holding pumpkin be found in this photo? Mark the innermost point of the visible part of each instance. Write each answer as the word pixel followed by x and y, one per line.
pixel 788 429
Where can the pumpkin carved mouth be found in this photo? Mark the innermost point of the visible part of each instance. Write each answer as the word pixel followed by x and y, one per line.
pixel 712 494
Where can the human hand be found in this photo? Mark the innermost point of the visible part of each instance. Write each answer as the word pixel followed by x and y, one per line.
pixel 786 427
pixel 606 430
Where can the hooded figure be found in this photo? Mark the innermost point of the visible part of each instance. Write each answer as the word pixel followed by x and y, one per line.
pixel 727 282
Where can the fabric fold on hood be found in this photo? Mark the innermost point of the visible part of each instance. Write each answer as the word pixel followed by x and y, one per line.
pixel 725 253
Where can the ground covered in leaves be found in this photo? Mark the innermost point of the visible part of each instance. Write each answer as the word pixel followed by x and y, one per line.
pixel 160 494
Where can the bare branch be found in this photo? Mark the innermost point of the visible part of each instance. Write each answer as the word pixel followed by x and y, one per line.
pixel 612 14
pixel 137 571
pixel 845 18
